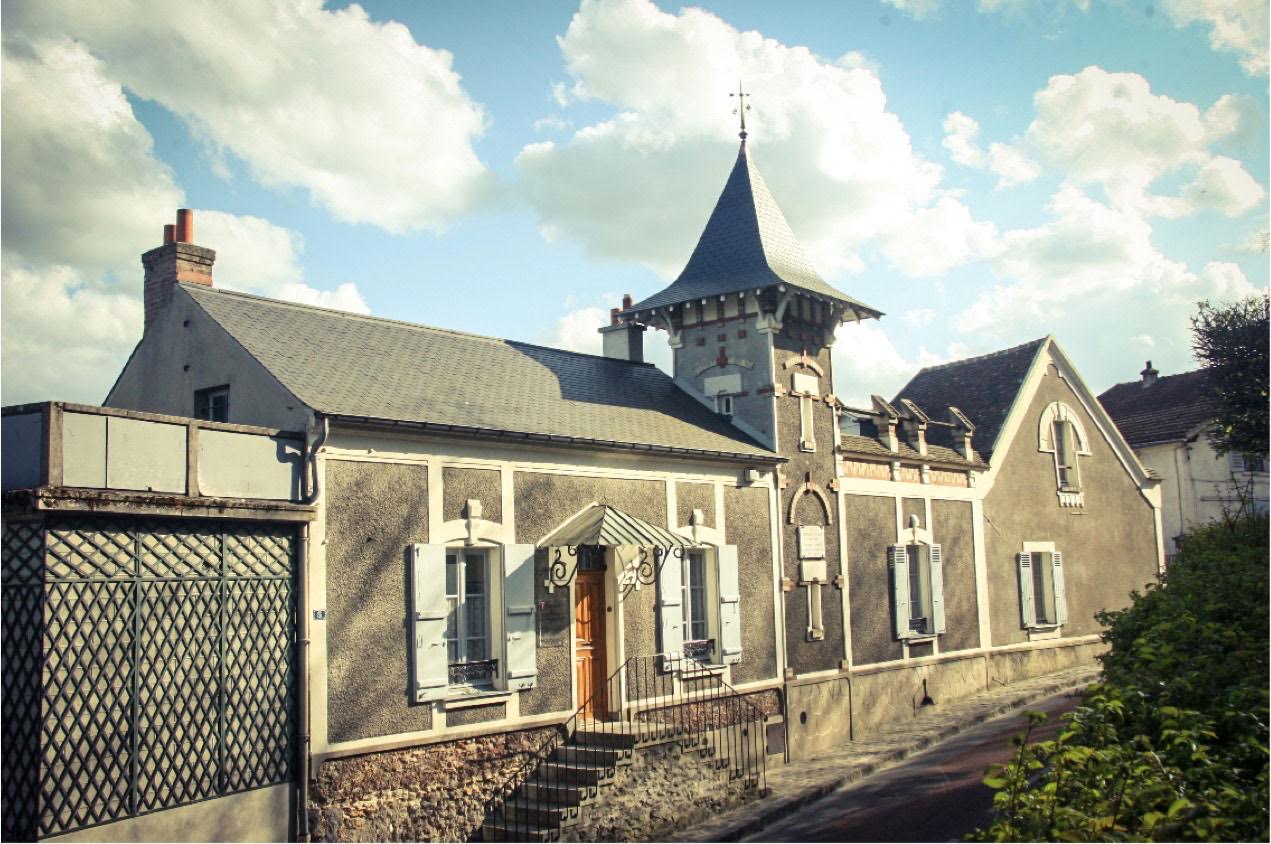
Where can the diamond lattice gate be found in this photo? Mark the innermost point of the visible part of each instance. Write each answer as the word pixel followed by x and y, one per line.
pixel 147 665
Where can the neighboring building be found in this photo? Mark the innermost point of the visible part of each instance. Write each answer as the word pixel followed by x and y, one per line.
pixel 1167 421
pixel 505 538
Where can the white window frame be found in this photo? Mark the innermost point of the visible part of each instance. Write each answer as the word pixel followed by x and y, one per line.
pixel 931 585
pixel 493 599
pixel 724 405
pixel 1060 418
pixel 808 386
pixel 710 594
pixel 1056 599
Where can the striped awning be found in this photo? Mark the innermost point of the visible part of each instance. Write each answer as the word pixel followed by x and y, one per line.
pixel 600 524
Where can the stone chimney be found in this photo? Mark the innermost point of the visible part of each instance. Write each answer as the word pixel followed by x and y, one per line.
pixel 623 340
pixel 1149 375
pixel 177 260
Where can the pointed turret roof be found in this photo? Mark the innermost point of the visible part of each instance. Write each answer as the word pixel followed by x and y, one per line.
pixel 747 245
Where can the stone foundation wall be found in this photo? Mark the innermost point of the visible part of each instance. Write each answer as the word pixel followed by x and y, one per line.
pixel 432 793
pixel 665 788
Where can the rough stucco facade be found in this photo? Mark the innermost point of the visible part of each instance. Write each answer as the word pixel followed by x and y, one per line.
pixel 1109 544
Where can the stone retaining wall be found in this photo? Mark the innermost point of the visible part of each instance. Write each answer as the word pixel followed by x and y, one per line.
pixel 433 793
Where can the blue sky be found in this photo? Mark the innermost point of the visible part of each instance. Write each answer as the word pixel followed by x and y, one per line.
pixel 983 173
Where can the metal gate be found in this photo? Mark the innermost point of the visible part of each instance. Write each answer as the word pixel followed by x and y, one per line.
pixel 147 665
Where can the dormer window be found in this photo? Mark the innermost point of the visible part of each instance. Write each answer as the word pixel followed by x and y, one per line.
pixel 1061 433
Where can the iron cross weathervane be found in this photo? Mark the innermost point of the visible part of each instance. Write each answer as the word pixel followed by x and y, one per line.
pixel 741 109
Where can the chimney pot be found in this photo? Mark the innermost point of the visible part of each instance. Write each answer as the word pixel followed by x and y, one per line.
pixel 185 225
pixel 627 301
pixel 1149 375
pixel 169 234
pixel 613 316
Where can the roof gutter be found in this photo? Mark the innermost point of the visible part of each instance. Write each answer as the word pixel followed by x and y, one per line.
pixel 501 435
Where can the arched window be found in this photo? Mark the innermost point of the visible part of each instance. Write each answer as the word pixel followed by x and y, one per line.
pixel 1060 432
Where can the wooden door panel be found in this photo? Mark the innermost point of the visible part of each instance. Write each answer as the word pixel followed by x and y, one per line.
pixel 589 641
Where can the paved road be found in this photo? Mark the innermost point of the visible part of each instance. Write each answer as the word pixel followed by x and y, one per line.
pixel 935 795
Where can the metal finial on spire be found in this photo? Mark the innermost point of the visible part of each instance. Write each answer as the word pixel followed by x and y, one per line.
pixel 741 109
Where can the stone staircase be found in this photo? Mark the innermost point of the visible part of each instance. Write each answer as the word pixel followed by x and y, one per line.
pixel 708 736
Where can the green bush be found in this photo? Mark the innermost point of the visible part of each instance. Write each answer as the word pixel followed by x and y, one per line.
pixel 1172 745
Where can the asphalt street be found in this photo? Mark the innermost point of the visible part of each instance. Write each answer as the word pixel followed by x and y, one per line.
pixel 936 795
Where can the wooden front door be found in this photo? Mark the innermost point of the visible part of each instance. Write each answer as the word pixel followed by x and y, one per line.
pixel 589 642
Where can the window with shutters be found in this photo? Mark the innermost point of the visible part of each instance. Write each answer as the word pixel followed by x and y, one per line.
pixel 698 606
pixel 1043 601
pixel 1061 433
pixel 472 620
pixel 917 589
pixel 468 618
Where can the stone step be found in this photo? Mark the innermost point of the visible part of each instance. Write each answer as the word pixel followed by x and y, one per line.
pixel 565 794
pixel 602 737
pixel 606 756
pixel 500 830
pixel 524 810
pixel 573 773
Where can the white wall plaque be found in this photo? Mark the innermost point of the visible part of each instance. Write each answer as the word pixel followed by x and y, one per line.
pixel 811 543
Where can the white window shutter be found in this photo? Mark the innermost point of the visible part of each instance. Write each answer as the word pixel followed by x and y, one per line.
pixel 1061 596
pixel 899 561
pixel 520 666
pixel 429 665
pixel 935 558
pixel 1027 608
pixel 729 605
pixel 670 610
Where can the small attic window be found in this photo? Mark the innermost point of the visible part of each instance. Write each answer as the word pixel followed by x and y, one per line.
pixel 212 404
pixel 724 405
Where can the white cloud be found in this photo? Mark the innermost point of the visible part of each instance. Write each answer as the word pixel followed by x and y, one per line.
pixel 1222 183
pixel 938 238
pixel 917 9
pixel 960 133
pixel 1238 26
pixel 1226 281
pixel 867 362
pixel 552 123
pixel 1012 165
pixel 578 331
pixel 1110 129
pixel 639 185
pixel 376 127
pixel 918 317
pixel 83 197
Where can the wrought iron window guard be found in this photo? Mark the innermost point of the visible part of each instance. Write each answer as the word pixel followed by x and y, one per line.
pixel 476 671
pixel 699 649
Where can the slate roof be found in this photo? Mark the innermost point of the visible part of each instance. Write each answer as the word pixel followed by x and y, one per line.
pixel 874 447
pixel 983 388
pixel 1167 411
pixel 350 365
pixel 746 245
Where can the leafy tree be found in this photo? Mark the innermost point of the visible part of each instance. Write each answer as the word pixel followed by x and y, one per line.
pixel 1231 343
pixel 1172 745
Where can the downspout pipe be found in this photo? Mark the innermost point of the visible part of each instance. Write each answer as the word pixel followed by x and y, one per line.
pixel 313 484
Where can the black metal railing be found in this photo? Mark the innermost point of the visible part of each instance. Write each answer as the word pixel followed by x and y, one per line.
pixel 476 672
pixel 649 699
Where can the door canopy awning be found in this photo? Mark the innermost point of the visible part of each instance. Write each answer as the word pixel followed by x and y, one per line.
pixel 600 524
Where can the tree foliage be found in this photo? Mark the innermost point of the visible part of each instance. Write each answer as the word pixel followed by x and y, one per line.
pixel 1172 745
pixel 1231 343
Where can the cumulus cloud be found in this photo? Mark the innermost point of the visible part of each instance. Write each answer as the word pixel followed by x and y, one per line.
pixel 918 317
pixel 1012 166
pixel 578 331
pixel 866 362
pixel 1223 183
pixel 639 185
pixel 917 9
pixel 83 197
pixel 938 239
pixel 374 126
pixel 1238 26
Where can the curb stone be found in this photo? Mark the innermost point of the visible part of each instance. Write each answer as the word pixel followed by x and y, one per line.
pixel 805 781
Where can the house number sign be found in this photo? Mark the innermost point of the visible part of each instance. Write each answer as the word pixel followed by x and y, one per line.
pixel 811 543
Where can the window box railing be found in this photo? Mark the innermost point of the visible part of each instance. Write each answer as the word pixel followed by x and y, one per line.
pixel 479 672
pixel 702 650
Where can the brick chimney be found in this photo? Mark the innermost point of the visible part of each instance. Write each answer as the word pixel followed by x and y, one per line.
pixel 178 259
